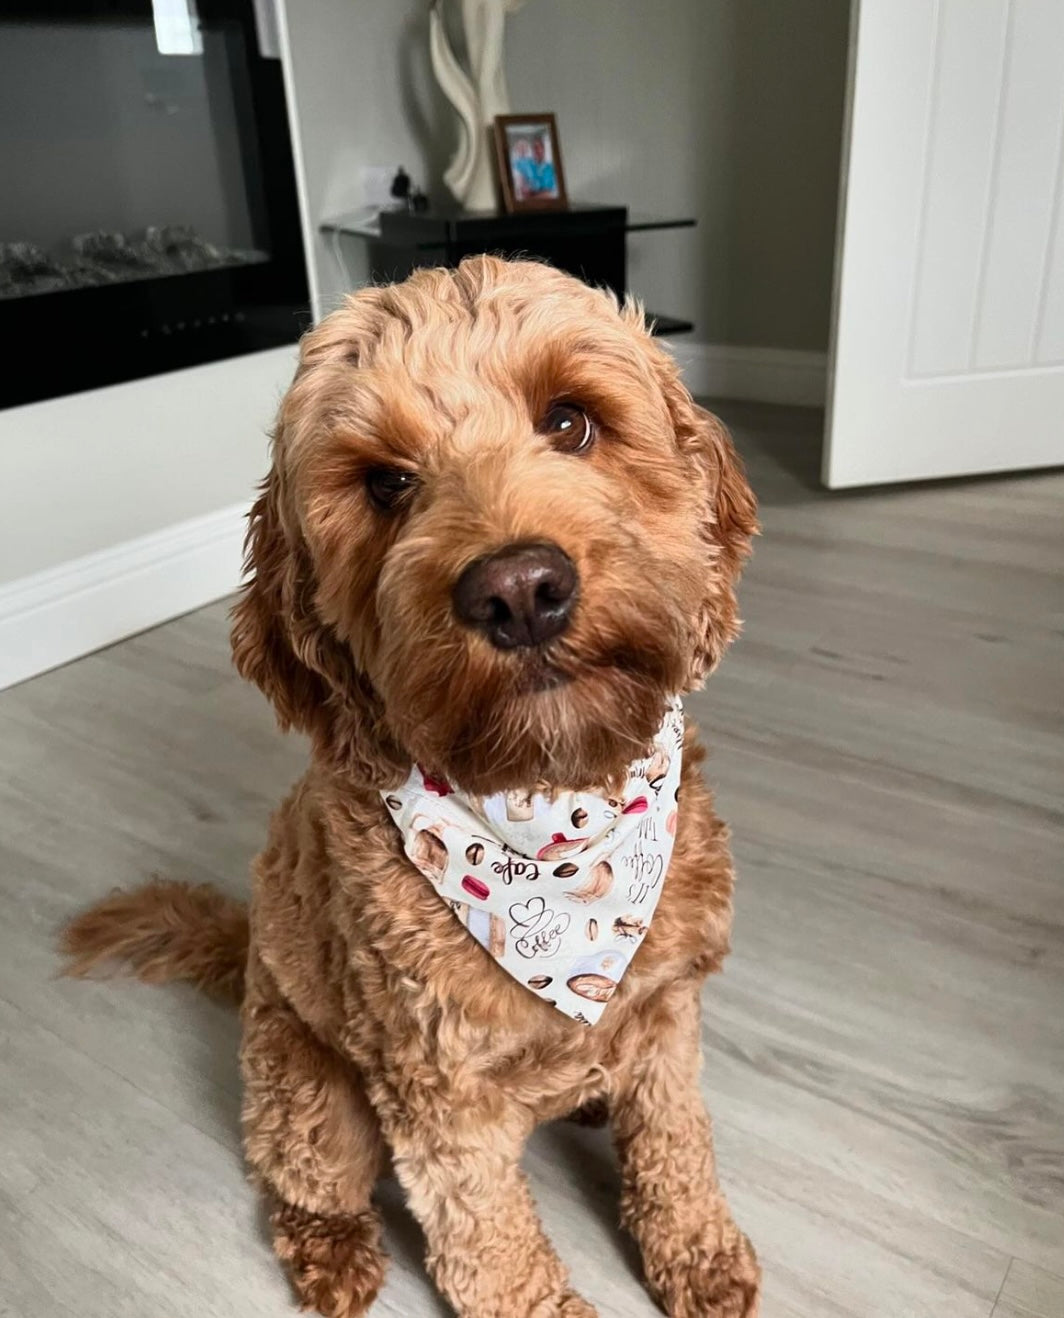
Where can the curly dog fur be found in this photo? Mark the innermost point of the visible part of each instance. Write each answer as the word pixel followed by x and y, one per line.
pixel 374 1028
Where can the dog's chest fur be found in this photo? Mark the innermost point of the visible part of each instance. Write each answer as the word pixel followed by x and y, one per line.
pixel 369 956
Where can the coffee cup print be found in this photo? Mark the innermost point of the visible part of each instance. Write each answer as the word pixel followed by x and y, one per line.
pixel 520 806
pixel 596 977
pixel 489 931
pixel 560 846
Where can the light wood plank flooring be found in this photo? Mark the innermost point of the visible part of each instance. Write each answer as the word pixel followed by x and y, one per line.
pixel 884 1054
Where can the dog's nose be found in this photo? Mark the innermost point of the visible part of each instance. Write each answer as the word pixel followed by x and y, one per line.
pixel 520 596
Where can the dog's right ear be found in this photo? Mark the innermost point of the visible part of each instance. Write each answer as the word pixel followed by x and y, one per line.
pixel 264 618
pixel 279 639
pixel 281 644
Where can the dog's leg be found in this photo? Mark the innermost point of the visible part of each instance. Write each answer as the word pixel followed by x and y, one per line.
pixel 697 1261
pixel 460 1168
pixel 314 1143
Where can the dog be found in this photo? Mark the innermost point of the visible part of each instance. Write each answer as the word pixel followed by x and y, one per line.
pixel 497 540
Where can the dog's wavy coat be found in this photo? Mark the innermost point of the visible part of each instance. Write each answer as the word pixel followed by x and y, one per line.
pixel 430 425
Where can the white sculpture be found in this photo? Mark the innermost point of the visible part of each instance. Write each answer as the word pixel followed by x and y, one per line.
pixel 477 96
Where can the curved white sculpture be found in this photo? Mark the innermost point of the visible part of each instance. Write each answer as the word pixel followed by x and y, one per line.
pixel 477 96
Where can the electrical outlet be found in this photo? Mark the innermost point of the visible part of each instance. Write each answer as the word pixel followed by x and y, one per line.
pixel 377 184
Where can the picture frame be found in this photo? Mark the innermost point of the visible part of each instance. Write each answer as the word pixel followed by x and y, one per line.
pixel 529 157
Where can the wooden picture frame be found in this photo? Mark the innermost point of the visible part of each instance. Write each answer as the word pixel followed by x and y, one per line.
pixel 529 158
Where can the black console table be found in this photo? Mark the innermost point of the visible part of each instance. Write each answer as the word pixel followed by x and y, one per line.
pixel 587 240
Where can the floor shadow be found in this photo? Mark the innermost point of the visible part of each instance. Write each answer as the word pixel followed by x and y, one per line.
pixel 405 1240
pixel 583 1161
pixel 781 446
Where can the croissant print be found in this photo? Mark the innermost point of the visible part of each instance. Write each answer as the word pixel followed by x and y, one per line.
pixel 599 882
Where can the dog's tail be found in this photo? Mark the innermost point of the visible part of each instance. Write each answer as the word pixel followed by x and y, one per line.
pixel 164 931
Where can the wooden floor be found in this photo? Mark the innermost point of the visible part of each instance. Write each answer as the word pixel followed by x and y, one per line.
pixel 884 1054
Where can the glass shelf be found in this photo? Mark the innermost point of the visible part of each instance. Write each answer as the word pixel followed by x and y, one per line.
pixel 367 223
pixel 640 223
pixel 587 239
pixel 356 224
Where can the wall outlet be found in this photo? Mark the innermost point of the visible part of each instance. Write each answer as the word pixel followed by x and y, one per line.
pixel 377 184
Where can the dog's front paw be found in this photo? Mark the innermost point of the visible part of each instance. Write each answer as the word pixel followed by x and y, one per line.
pixel 721 1279
pixel 336 1263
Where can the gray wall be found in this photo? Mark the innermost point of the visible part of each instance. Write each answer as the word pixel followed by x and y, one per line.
pixel 364 95
pixel 730 110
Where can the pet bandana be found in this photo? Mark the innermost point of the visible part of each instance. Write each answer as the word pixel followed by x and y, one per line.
pixel 560 888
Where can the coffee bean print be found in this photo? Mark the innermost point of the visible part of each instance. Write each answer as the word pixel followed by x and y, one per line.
pixel 579 817
pixel 474 853
pixel 566 871
pixel 592 928
pixel 539 982
pixel 393 803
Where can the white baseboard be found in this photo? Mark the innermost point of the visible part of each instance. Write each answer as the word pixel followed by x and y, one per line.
pixel 760 375
pixel 56 615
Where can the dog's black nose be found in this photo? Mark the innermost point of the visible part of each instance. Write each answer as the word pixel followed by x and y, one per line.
pixel 520 596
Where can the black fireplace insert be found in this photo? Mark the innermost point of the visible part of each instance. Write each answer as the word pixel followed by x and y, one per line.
pixel 148 210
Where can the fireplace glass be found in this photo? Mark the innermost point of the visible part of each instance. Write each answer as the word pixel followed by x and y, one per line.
pixel 148 211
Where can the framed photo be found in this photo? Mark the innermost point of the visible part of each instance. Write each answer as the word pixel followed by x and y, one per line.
pixel 530 162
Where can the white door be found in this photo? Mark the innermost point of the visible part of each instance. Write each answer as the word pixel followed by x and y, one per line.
pixel 948 343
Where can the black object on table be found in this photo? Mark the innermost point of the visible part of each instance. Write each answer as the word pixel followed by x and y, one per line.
pixel 587 240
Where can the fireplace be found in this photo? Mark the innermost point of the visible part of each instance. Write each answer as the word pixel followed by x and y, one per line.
pixel 149 218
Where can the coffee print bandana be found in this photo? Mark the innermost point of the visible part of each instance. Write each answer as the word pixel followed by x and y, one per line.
pixel 559 888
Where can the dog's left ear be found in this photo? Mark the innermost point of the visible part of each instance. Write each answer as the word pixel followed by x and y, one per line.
pixel 730 519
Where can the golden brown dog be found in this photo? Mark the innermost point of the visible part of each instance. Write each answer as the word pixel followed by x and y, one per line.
pixel 500 414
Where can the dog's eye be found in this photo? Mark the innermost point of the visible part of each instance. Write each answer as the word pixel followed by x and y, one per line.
pixel 568 427
pixel 389 486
